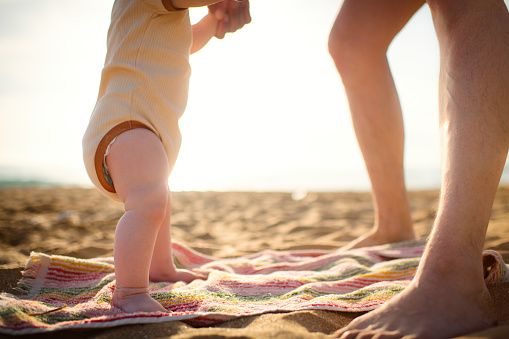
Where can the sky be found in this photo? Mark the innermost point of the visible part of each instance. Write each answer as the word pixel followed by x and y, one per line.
pixel 266 111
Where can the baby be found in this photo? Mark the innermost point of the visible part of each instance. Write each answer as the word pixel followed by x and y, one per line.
pixel 133 138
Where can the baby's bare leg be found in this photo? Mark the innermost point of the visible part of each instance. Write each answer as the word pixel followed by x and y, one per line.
pixel 139 168
pixel 162 266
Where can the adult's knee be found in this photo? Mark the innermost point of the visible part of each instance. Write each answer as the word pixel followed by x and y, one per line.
pixel 344 46
pixel 352 47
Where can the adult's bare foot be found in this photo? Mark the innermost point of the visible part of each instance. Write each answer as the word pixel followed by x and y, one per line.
pixel 377 237
pixel 428 309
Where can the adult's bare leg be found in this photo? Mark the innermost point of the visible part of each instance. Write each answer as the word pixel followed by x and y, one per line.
pixel 358 44
pixel 448 296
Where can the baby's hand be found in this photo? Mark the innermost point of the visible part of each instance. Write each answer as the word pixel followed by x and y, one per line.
pixel 232 15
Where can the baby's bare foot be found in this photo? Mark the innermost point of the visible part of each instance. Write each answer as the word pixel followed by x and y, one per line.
pixel 425 313
pixel 375 238
pixel 173 275
pixel 131 300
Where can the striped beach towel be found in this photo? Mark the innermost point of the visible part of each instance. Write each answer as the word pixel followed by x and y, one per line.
pixel 69 293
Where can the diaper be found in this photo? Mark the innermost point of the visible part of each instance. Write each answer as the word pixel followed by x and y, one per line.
pixel 106 172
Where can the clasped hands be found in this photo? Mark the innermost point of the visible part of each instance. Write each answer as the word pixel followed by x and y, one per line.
pixel 231 16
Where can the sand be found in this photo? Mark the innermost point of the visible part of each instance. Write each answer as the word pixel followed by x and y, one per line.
pixel 80 222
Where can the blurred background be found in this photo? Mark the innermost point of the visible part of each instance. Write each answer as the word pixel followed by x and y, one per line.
pixel 267 110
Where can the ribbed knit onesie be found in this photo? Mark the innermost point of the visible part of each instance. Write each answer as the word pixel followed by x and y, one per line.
pixel 144 82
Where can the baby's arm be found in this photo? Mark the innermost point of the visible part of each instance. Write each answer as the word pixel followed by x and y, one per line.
pixel 203 31
pixel 169 4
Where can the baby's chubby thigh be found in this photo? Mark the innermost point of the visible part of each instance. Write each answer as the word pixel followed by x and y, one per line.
pixel 138 165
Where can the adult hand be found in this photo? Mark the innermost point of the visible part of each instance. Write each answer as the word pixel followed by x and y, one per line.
pixel 231 15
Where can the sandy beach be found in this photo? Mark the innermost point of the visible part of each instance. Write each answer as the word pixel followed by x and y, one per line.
pixel 80 223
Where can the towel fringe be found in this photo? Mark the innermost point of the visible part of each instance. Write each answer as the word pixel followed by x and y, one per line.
pixel 30 273
pixel 495 270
